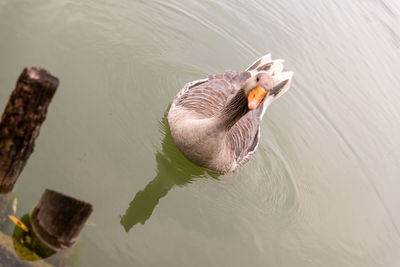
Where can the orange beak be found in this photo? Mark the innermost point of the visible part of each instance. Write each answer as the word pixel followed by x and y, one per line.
pixel 255 97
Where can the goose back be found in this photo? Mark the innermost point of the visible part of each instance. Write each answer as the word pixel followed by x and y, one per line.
pixel 206 98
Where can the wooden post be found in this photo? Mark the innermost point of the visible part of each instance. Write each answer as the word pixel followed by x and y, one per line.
pixel 4 210
pixel 58 219
pixel 19 127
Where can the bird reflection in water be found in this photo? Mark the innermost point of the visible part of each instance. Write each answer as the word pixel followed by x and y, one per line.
pixel 173 169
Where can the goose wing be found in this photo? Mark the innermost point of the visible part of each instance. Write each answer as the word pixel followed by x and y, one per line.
pixel 207 97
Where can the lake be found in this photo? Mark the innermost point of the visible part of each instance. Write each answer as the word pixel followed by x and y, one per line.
pixel 323 187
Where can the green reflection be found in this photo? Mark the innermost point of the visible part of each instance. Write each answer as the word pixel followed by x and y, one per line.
pixel 27 245
pixel 172 169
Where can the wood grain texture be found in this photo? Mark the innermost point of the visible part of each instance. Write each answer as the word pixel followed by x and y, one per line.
pixel 58 219
pixel 21 121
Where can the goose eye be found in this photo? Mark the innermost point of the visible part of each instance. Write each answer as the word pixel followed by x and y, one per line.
pixel 258 79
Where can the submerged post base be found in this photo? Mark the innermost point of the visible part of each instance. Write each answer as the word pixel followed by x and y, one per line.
pixel 58 219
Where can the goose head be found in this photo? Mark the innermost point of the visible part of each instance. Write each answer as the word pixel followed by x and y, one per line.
pixel 264 86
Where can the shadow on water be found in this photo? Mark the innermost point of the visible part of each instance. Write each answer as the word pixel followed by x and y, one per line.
pixel 173 169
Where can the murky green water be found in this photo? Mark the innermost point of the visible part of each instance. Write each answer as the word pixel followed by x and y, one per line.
pixel 322 190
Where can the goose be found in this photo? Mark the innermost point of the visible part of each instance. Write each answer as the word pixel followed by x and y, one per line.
pixel 215 122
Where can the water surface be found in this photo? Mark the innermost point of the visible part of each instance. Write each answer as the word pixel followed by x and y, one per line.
pixel 322 189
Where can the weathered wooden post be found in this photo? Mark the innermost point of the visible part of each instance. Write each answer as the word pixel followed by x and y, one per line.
pixel 4 210
pixel 58 219
pixel 19 127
